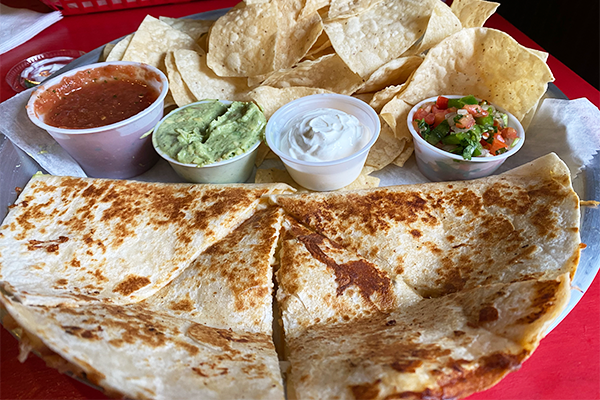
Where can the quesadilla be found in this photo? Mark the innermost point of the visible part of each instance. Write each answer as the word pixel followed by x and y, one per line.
pixel 206 333
pixel 444 237
pixel 418 291
pixel 132 352
pixel 75 240
pixel 385 294
pixel 446 347
pixel 231 283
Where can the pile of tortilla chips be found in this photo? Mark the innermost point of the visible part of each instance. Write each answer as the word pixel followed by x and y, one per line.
pixel 390 53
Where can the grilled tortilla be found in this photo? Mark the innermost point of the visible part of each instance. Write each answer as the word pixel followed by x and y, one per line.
pixel 438 348
pixel 208 333
pixel 75 240
pixel 132 352
pixel 441 238
pixel 424 291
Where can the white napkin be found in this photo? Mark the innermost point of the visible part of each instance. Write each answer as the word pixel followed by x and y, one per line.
pixel 19 25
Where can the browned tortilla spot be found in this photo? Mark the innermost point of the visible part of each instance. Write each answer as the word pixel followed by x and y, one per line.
pixel 131 284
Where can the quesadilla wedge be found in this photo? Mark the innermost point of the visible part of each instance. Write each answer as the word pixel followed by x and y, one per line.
pixel 132 352
pixel 208 333
pixel 231 283
pixel 445 237
pixel 439 348
pixel 74 240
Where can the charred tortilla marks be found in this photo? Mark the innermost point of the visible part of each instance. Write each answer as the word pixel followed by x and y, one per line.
pixel 366 391
pixel 131 284
pixel 545 297
pixel 50 246
pixel 360 273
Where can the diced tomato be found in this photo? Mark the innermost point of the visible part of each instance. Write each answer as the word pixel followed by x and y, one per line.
pixel 497 144
pixel 430 118
pixel 420 114
pixel 439 117
pixel 475 110
pixel 450 110
pixel 466 122
pixel 509 133
pixel 441 102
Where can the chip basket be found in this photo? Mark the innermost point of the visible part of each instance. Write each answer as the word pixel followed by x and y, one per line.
pixel 72 7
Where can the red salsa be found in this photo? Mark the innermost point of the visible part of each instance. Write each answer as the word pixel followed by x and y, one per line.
pixel 92 100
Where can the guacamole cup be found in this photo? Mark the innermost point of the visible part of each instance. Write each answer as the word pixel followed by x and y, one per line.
pixel 232 170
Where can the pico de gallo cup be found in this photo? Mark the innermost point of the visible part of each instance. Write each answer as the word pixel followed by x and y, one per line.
pixel 439 165
pixel 323 175
pixel 120 149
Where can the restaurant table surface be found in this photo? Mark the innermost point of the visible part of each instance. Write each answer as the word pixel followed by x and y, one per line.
pixel 566 365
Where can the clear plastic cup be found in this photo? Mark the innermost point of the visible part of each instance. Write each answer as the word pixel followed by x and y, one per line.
pixel 234 170
pixel 325 175
pixel 439 165
pixel 119 150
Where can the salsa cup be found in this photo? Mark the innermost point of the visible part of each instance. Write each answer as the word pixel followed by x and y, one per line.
pixel 324 175
pixel 439 165
pixel 234 170
pixel 118 150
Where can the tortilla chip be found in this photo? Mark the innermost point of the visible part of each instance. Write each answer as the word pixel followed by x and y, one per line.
pixel 486 63
pixel 270 99
pixel 195 28
pixel 295 36
pixel 394 113
pixel 442 24
pixel 118 50
pixel 380 34
pixel 395 72
pixel 203 82
pixel 328 72
pixel 106 51
pixel 366 97
pixel 381 98
pixel 312 6
pixel 349 8
pixel 273 175
pixel 153 40
pixel 319 45
pixel 386 148
pixel 242 42
pixel 262 154
pixel 405 155
pixel 177 87
pixel 473 13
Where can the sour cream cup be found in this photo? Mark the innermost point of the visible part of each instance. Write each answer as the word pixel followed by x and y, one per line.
pixel 234 170
pixel 439 165
pixel 323 175
pixel 118 150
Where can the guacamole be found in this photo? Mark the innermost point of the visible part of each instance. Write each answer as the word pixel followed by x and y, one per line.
pixel 210 132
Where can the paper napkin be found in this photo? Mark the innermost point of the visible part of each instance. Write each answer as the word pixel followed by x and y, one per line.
pixel 19 25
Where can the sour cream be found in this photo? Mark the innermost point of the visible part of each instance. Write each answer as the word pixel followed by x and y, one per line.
pixel 323 134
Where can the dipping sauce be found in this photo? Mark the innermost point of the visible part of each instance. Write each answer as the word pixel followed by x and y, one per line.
pixel 323 134
pixel 96 97
pixel 211 131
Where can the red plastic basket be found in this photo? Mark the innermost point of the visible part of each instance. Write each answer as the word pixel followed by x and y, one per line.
pixel 71 7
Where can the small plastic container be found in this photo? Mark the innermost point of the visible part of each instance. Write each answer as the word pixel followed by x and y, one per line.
pixel 234 170
pixel 325 175
pixel 119 150
pixel 438 165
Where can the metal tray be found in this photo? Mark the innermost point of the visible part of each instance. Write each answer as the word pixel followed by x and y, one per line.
pixel 16 168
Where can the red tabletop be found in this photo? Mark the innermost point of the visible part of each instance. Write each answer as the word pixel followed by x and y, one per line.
pixel 565 366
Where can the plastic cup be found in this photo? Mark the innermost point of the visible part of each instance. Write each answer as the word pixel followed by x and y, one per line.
pixel 234 170
pixel 118 150
pixel 325 175
pixel 439 165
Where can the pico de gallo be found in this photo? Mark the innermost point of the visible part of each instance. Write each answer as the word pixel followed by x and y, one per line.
pixel 465 126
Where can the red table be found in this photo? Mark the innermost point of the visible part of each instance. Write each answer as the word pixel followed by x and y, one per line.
pixel 565 366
